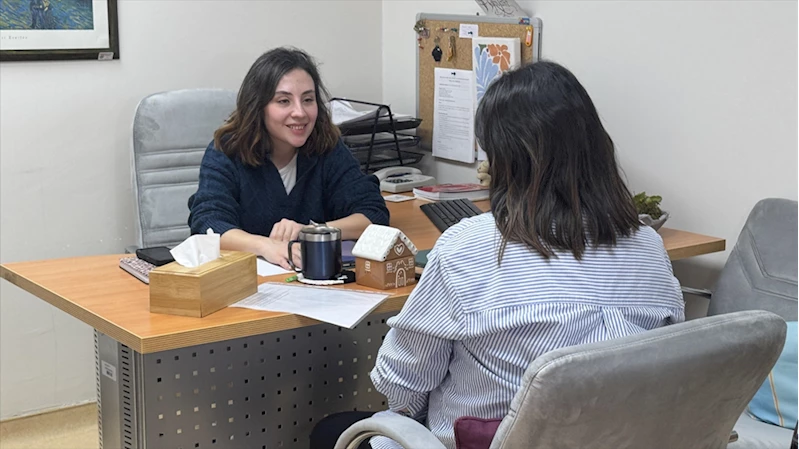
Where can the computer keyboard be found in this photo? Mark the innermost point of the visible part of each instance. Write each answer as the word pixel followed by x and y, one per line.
pixel 444 214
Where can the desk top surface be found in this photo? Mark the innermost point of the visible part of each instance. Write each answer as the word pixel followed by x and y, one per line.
pixel 96 291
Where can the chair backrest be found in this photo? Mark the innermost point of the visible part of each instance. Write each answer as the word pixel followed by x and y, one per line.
pixel 760 272
pixel 680 386
pixel 171 131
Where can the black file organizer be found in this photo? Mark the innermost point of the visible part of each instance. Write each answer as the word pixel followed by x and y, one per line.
pixel 376 143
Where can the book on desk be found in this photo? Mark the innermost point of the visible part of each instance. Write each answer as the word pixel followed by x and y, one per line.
pixel 438 192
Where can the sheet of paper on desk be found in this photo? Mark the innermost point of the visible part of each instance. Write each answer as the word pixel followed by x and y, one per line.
pixel 398 198
pixel 453 115
pixel 267 269
pixel 344 308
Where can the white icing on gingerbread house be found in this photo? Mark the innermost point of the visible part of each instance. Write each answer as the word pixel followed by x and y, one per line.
pixel 378 242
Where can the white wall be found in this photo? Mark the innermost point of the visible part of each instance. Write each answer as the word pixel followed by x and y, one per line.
pixel 699 97
pixel 65 143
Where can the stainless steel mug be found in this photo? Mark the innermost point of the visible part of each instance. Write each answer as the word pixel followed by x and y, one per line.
pixel 320 247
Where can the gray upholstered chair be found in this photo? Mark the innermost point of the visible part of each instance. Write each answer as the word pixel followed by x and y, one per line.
pixel 170 133
pixel 760 274
pixel 680 386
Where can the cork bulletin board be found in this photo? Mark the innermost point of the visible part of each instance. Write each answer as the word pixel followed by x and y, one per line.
pixel 462 59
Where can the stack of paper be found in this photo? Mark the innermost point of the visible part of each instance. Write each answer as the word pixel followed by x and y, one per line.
pixel 342 113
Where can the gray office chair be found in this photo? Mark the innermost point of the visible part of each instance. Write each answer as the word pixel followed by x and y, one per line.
pixel 760 273
pixel 170 133
pixel 680 386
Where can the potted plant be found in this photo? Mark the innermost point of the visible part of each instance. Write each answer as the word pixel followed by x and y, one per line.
pixel 649 211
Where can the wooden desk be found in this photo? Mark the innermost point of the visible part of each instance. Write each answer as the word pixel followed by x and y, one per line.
pixel 237 377
pixel 94 290
pixel 408 217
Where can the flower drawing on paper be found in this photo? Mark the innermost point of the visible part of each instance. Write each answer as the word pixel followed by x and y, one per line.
pixel 500 55
pixel 485 70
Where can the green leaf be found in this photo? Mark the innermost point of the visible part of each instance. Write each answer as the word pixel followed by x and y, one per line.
pixel 648 204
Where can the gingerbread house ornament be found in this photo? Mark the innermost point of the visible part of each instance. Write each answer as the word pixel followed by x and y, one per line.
pixel 384 258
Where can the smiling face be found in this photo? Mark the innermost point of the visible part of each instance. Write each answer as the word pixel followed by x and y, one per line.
pixel 291 114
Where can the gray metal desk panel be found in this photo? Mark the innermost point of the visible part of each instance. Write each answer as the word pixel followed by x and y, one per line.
pixel 264 391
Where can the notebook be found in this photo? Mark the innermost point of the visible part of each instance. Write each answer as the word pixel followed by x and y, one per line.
pixel 346 252
pixel 421 257
pixel 474 192
pixel 137 267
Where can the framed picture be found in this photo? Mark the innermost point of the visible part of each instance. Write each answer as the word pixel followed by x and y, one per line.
pixel 35 30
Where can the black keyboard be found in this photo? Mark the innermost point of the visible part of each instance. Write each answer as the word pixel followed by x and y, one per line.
pixel 444 214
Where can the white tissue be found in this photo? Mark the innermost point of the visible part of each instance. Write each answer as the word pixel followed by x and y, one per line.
pixel 197 249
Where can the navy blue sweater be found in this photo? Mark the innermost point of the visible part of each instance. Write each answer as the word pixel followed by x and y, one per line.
pixel 232 195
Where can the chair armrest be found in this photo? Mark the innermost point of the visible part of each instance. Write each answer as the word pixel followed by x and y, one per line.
pixel 405 431
pixel 701 292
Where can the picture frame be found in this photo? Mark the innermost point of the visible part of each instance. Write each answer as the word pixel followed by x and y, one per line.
pixel 42 30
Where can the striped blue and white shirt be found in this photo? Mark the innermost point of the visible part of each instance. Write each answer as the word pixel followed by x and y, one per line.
pixel 470 328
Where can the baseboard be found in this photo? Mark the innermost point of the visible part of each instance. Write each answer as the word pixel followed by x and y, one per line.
pixel 61 408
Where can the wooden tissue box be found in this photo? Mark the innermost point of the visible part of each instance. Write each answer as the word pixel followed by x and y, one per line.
pixel 202 290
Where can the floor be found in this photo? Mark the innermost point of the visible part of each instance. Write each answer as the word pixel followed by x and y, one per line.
pixel 68 428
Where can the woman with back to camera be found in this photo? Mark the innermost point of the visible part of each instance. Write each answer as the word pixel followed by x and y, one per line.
pixel 278 163
pixel 560 260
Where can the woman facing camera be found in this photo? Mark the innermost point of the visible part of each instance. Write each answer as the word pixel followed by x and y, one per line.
pixel 278 163
pixel 560 260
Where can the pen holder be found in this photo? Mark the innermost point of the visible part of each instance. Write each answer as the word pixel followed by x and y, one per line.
pixel 202 290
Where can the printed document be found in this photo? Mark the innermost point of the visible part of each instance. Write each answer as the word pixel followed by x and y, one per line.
pixel 453 116
pixel 345 308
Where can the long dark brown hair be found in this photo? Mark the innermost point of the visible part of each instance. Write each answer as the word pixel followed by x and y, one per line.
pixel 244 134
pixel 555 183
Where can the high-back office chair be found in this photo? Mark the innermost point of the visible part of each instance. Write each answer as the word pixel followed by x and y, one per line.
pixel 170 133
pixel 679 386
pixel 760 273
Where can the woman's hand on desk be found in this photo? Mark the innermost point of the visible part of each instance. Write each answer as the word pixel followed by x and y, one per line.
pixel 277 252
pixel 273 250
pixel 285 230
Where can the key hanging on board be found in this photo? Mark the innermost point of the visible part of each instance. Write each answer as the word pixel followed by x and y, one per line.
pixel 437 52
